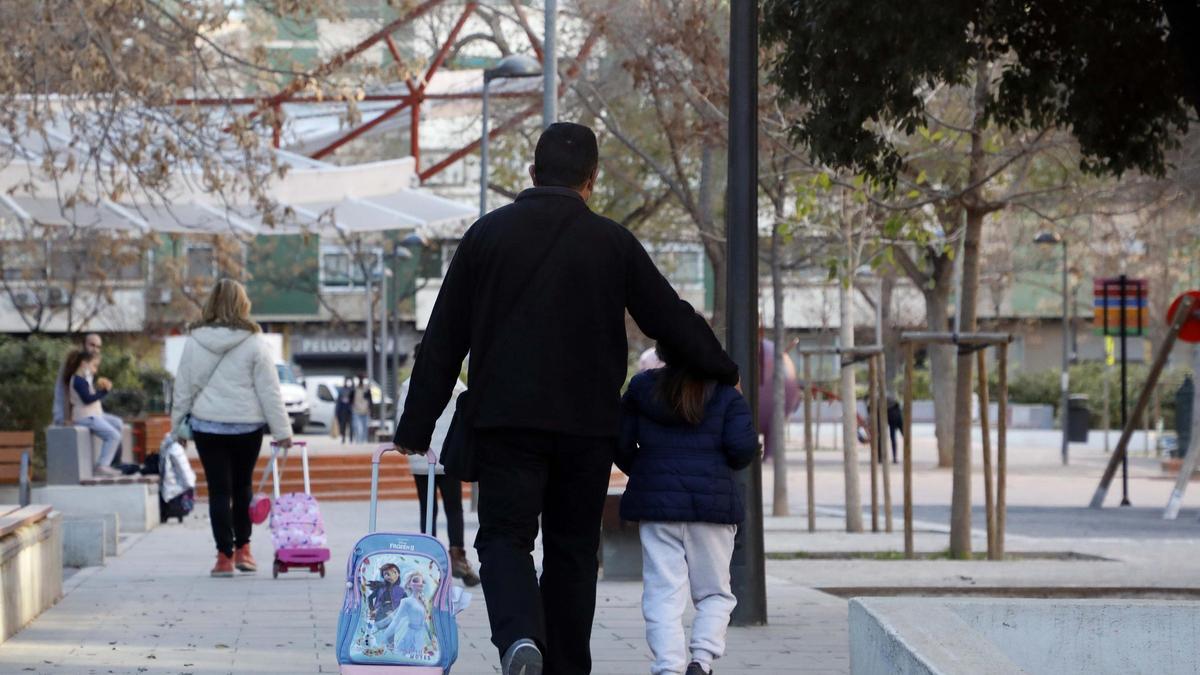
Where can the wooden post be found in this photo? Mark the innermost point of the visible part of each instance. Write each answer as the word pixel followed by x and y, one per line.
pixel 1114 461
pixel 908 444
pixel 873 422
pixel 808 443
pixel 1001 447
pixel 989 506
pixel 881 371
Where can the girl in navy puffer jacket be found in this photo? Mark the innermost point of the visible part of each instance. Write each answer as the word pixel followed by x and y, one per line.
pixel 681 440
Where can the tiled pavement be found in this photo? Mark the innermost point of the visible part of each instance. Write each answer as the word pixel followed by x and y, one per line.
pixel 154 610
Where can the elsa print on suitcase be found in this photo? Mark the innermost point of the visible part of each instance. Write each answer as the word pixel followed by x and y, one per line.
pixel 397 596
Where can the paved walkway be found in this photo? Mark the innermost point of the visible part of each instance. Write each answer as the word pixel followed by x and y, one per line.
pixel 154 610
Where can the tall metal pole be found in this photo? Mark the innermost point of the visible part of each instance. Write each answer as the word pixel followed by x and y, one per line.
pixel 368 268
pixel 483 152
pixel 747 567
pixel 383 349
pixel 1124 395
pixel 1065 379
pixel 396 296
pixel 550 66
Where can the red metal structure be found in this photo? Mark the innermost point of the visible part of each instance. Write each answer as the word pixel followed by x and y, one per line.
pixel 411 100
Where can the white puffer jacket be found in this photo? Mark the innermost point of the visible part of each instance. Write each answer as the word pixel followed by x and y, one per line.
pixel 243 388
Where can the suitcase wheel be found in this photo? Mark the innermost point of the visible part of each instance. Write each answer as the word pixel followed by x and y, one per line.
pixel 276 569
pixel 322 570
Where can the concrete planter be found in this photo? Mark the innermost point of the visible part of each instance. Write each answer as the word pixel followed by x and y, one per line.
pixel 30 572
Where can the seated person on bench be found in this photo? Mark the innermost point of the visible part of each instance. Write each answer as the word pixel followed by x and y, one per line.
pixel 85 393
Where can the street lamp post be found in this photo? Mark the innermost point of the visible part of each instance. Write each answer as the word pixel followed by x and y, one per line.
pixel 1050 239
pixel 741 217
pixel 509 67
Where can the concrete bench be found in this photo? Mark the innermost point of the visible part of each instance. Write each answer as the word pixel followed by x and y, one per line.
pixel 620 542
pixel 71 453
pixel 16 462
pixel 133 498
pixel 30 564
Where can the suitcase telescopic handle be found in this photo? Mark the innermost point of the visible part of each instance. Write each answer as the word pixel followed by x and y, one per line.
pixel 275 470
pixel 430 494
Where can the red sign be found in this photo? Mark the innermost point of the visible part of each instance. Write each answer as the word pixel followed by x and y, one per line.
pixel 1190 332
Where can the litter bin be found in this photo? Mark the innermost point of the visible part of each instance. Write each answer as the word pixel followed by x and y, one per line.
pixel 1184 398
pixel 1077 418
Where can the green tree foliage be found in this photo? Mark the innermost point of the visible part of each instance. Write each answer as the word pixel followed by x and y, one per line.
pixel 1105 70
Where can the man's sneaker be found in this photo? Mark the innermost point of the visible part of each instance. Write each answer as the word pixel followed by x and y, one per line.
pixel 460 567
pixel 224 566
pixel 694 668
pixel 522 658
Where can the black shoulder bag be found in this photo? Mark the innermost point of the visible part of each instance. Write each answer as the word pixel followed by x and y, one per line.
pixel 458 452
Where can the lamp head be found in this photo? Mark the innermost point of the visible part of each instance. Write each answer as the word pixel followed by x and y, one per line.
pixel 1048 238
pixel 512 66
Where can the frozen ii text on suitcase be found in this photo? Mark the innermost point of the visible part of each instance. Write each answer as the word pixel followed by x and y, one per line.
pixel 399 612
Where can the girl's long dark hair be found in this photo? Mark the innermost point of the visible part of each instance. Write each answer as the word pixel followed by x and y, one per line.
pixel 75 358
pixel 682 390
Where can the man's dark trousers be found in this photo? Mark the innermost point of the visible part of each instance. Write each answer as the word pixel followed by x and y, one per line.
pixel 564 479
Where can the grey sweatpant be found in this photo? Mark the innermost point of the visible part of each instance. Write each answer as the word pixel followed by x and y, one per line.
pixel 682 560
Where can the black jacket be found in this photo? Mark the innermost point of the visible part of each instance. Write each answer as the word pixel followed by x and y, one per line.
pixel 680 472
pixel 558 364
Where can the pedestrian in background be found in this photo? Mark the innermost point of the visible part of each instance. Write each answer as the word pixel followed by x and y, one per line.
pixel 342 410
pixel 87 410
pixel 360 409
pixel 449 487
pixel 227 391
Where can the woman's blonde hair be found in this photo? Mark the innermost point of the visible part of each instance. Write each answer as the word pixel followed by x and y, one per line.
pixel 229 306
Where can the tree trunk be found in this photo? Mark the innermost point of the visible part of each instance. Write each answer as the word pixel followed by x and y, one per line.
pixel 849 409
pixel 960 501
pixel 777 439
pixel 941 369
pixel 891 332
pixel 719 292
pixel 714 245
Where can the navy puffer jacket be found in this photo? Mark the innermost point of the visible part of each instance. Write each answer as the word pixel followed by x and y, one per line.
pixel 679 472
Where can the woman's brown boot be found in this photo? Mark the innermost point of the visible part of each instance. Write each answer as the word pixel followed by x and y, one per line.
pixel 243 560
pixel 460 567
pixel 224 566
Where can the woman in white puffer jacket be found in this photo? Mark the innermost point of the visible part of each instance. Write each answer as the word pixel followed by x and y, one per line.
pixel 227 389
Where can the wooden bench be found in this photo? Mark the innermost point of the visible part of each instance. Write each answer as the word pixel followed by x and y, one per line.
pixel 14 516
pixel 16 461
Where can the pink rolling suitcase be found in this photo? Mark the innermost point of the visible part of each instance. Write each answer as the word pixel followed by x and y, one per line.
pixel 297 530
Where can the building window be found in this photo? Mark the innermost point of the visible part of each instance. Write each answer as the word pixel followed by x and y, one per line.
pixel 23 260
pixel 339 269
pixel 97 259
pixel 201 262
pixel 681 266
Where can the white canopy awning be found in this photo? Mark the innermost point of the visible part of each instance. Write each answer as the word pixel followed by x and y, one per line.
pixel 309 196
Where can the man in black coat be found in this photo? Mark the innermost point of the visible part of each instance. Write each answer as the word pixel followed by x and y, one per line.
pixel 537 294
